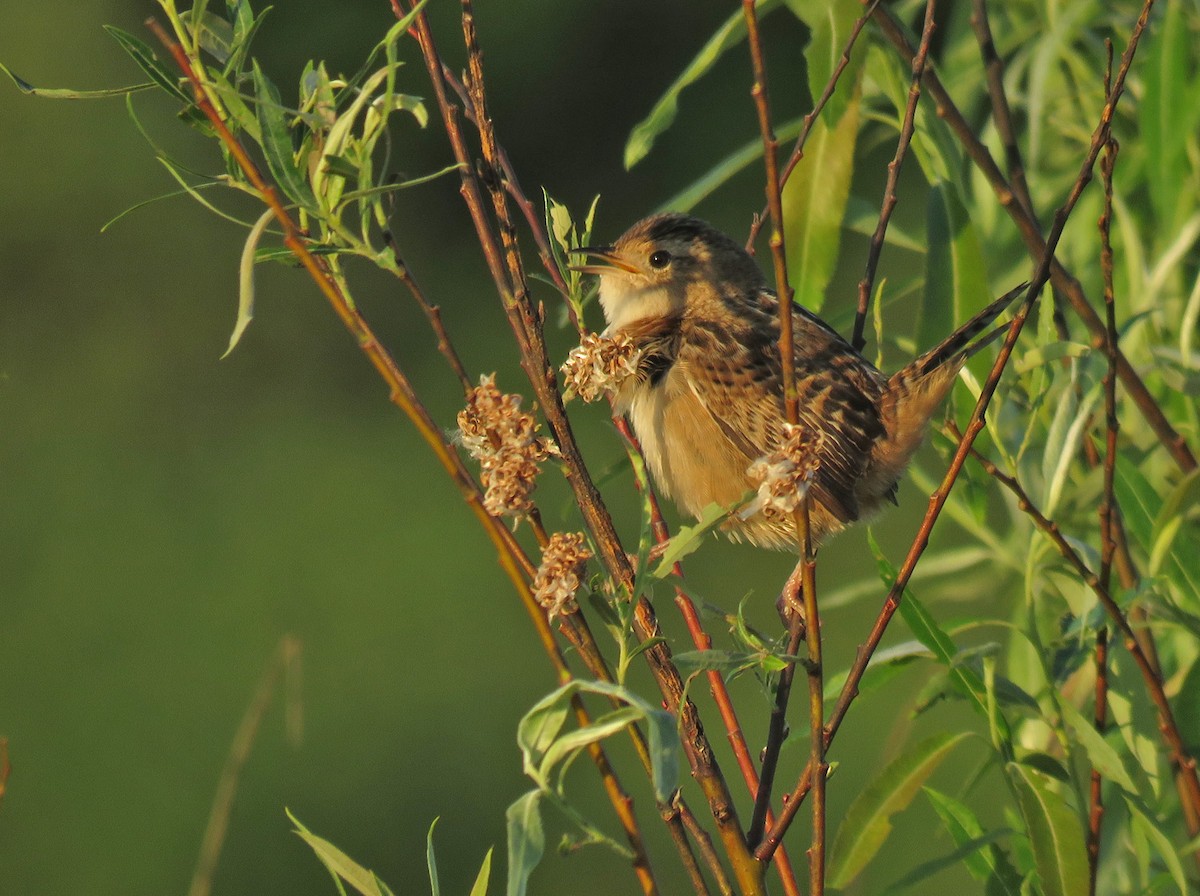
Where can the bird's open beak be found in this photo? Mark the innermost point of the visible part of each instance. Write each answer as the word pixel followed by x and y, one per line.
pixel 604 254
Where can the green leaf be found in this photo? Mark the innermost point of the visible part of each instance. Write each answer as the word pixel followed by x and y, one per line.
pixel 485 873
pixel 862 217
pixel 148 62
pixel 1054 833
pixel 989 864
pixel 526 841
pixel 814 204
pixel 689 538
pixel 340 865
pixel 1166 851
pixel 830 23
pixel 246 279
pixel 867 822
pixel 213 33
pixel 1101 754
pixel 705 185
pixel 729 34
pixel 543 746
pixel 1169 114
pixel 63 93
pixel 955 271
pixel 431 862
pixel 277 142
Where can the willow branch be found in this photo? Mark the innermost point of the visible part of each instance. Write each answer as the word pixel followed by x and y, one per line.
pixel 811 118
pixel 783 289
pixel 1181 761
pixel 526 319
pixel 890 197
pixel 938 499
pixel 404 396
pixel 1062 279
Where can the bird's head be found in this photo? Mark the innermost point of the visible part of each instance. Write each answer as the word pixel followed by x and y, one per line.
pixel 664 263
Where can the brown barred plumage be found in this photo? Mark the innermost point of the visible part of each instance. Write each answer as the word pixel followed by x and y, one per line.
pixel 707 401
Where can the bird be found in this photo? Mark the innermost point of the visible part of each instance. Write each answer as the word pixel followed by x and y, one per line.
pixel 706 400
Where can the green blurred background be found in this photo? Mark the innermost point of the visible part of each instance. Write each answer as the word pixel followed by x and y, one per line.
pixel 168 516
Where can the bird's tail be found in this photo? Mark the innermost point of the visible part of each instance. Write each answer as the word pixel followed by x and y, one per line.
pixel 914 393
pixel 953 351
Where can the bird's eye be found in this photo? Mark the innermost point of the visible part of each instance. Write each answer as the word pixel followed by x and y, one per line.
pixel 660 259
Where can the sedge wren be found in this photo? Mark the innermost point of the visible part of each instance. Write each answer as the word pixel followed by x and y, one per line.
pixel 706 400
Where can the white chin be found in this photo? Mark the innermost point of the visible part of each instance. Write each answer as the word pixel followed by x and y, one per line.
pixel 624 304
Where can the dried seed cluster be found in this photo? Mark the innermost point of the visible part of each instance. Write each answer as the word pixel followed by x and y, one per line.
pixel 503 438
pixel 784 476
pixel 558 577
pixel 599 364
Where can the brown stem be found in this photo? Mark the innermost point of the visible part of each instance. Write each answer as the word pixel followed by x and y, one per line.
pixel 404 396
pixel 810 119
pixel 938 499
pixel 890 198
pixel 816 708
pixel 777 725
pixel 285 656
pixel 1180 759
pixel 1061 278
pixel 432 313
pixel 526 320
pixel 783 289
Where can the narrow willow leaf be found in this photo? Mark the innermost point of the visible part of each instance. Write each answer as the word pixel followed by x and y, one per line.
pixel 1164 849
pixel 862 217
pixel 1169 114
pixel 867 822
pixel 729 34
pixel 814 204
pixel 538 732
pixel 526 841
pixel 990 864
pixel 213 33
pixel 431 862
pixel 830 23
pixel 573 741
pixel 962 853
pixel 1101 754
pixel 689 538
pixel 481 880
pixel 64 93
pixel 1054 833
pixel 339 864
pixel 1068 451
pixel 148 62
pixel 739 159
pixel 246 280
pixel 277 142
pixel 955 271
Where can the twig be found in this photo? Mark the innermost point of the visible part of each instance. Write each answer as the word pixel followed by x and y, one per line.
pixel 1001 112
pixel 505 267
pixel 890 198
pixel 1062 279
pixel 1002 116
pixel 938 499
pixel 284 657
pixel 777 726
pixel 1180 759
pixel 1107 503
pixel 402 394
pixel 811 118
pixel 432 313
pixel 816 705
pixel 720 693
pixel 783 289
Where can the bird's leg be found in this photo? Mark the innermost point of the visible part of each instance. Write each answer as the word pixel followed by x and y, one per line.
pixel 790 604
